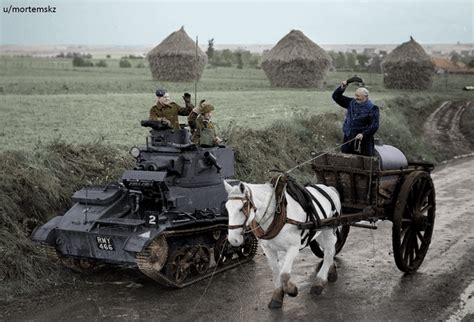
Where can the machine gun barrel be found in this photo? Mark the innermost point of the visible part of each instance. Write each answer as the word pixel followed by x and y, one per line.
pixel 211 159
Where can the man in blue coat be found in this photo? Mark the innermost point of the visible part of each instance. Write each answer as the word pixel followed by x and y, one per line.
pixel 362 120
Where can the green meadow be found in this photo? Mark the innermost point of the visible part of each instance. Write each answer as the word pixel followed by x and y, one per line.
pixel 47 99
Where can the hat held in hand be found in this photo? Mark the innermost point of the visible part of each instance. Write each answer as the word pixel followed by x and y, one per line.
pixel 355 79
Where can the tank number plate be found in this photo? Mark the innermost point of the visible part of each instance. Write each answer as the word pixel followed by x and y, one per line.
pixel 105 243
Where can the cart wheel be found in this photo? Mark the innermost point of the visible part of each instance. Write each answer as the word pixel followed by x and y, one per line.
pixel 413 221
pixel 341 234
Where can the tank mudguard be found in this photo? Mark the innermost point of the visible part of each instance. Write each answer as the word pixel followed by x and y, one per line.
pixel 47 233
pixel 137 243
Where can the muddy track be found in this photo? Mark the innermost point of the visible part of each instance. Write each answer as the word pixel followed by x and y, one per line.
pixel 444 128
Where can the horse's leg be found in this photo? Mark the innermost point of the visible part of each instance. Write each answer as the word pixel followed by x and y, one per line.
pixel 327 240
pixel 285 272
pixel 278 294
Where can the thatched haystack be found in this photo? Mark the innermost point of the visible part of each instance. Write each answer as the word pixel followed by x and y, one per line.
pixel 174 59
pixel 296 61
pixel 408 67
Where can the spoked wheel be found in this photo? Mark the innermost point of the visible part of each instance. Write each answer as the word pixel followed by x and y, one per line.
pixel 341 234
pixel 202 259
pixel 223 251
pixel 249 247
pixel 413 221
pixel 180 265
pixel 79 265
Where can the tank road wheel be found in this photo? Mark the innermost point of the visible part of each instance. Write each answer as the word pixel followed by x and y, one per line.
pixel 151 260
pixel 413 221
pixel 79 265
pixel 249 247
pixel 202 259
pixel 179 266
pixel 341 234
pixel 223 252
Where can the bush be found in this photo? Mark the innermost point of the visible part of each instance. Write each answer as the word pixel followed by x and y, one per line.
pixel 78 62
pixel 124 63
pixel 81 62
pixel 140 65
pixel 101 63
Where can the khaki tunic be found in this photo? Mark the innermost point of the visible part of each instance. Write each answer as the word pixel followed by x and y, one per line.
pixel 169 111
pixel 206 133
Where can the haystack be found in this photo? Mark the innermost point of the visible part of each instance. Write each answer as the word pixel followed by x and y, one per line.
pixel 408 67
pixel 174 59
pixel 296 61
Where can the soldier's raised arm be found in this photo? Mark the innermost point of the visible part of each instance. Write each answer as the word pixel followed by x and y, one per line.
pixel 188 105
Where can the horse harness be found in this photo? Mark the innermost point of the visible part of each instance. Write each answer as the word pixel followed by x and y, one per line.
pixel 248 205
pixel 279 218
pixel 298 192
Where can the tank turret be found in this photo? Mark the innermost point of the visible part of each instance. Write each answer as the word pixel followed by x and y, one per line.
pixel 166 216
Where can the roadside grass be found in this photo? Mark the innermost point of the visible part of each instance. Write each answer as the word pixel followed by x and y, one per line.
pixel 35 187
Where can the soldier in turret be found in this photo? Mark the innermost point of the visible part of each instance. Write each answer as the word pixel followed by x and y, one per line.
pixel 205 133
pixel 167 110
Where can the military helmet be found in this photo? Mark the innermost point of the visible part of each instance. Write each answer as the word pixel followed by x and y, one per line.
pixel 160 92
pixel 205 107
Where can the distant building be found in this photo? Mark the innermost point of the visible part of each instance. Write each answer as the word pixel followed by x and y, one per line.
pixel 369 51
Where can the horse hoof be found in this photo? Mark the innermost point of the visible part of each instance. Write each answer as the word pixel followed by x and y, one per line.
pixel 317 289
pixel 332 274
pixel 293 292
pixel 275 304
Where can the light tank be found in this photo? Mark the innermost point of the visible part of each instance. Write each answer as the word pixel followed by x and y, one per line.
pixel 166 217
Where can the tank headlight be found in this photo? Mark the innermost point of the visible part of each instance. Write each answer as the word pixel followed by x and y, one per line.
pixel 135 152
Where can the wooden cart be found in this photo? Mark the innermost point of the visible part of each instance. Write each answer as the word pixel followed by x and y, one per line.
pixel 405 196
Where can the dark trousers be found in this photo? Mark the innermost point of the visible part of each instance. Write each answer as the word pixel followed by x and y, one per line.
pixel 366 146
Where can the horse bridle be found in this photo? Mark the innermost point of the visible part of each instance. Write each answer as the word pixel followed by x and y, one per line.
pixel 247 206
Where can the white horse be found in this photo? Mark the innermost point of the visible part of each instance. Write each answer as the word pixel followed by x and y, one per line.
pixel 249 201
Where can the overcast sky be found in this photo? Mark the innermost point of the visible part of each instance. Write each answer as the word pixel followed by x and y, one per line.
pixel 127 22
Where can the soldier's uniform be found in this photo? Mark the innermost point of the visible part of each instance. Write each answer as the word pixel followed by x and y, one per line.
pixel 166 110
pixel 205 133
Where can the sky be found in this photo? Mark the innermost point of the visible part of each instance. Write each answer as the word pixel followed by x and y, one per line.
pixel 146 22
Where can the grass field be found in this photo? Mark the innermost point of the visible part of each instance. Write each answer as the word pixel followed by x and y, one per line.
pixel 42 100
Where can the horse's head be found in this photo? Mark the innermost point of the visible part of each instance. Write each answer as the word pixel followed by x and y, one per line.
pixel 241 211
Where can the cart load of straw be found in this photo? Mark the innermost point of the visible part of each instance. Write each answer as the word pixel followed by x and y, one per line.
pixel 296 61
pixel 408 67
pixel 177 59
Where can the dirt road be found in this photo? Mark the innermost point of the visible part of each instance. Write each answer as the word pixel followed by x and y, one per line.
pixel 369 287
pixel 448 131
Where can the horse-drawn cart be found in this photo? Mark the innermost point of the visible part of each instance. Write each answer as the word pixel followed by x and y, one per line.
pixel 386 187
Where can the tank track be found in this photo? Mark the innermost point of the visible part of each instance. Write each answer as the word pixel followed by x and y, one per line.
pixel 79 265
pixel 48 251
pixel 178 266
